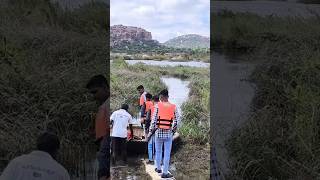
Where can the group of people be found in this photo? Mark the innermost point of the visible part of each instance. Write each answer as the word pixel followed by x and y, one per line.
pixel 159 119
pixel 158 116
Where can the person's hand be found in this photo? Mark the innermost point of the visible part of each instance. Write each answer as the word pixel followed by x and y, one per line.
pixel 130 137
pixel 142 120
pixel 148 137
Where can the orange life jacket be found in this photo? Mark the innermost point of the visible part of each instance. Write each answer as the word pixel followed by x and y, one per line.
pixel 142 99
pixel 152 111
pixel 165 115
pixel 149 105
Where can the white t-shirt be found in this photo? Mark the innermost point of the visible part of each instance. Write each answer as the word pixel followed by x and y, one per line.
pixel 121 119
pixel 37 165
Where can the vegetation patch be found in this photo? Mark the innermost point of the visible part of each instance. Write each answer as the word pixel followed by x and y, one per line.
pixel 47 55
pixel 281 139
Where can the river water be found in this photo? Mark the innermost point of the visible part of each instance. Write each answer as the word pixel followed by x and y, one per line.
pixel 230 102
pixel 165 63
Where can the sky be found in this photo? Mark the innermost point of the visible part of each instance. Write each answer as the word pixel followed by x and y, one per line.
pixel 165 19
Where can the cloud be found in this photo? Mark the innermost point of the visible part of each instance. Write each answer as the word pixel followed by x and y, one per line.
pixel 165 19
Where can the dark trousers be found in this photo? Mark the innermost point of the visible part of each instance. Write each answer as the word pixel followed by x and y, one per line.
pixel 119 146
pixel 104 157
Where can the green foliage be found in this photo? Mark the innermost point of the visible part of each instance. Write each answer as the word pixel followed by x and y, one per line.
pixel 196 111
pixel 281 139
pixel 190 41
pixel 44 68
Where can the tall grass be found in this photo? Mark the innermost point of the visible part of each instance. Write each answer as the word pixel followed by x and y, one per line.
pixel 47 56
pixel 281 139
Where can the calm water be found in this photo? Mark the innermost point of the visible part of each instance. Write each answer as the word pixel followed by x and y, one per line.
pixel 169 63
pixel 231 101
pixel 178 91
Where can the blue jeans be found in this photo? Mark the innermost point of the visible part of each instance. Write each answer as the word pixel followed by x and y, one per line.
pixel 151 148
pixel 167 151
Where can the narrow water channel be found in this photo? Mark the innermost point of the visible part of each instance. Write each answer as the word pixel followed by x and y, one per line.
pixel 231 102
pixel 170 63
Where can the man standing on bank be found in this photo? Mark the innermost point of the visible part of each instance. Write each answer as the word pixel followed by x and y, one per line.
pixel 99 87
pixel 120 121
pixel 164 124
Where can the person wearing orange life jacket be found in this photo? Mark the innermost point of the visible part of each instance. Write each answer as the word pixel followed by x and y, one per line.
pixel 142 94
pixel 164 124
pixel 142 101
pixel 145 112
pixel 151 142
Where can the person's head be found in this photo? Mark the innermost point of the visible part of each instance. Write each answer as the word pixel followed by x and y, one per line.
pixel 125 107
pixel 156 99
pixel 99 87
pixel 164 95
pixel 48 142
pixel 148 97
pixel 140 89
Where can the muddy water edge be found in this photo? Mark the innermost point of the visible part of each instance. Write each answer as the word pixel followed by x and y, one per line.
pixel 231 102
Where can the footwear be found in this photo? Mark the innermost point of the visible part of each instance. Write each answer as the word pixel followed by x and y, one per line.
pixel 166 175
pixel 150 162
pixel 158 171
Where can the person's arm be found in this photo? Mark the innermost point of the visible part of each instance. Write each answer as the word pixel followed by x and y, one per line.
pixel 175 121
pixel 107 115
pixel 131 130
pixel 143 109
pixel 130 125
pixel 111 123
pixel 153 121
pixel 142 112
pixel 111 120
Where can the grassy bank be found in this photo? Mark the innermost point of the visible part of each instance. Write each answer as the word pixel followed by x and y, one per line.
pixel 281 139
pixel 187 55
pixel 195 118
pixel 46 57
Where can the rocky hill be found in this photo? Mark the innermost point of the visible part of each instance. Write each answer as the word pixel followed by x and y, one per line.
pixel 120 34
pixel 189 41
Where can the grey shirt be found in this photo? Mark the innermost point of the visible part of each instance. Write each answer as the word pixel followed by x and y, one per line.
pixel 37 165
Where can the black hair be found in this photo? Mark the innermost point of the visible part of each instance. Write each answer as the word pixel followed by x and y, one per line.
pixel 164 93
pixel 48 142
pixel 97 81
pixel 125 107
pixel 140 87
pixel 148 96
pixel 156 98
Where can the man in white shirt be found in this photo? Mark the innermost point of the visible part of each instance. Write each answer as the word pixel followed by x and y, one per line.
pixel 120 120
pixel 39 164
